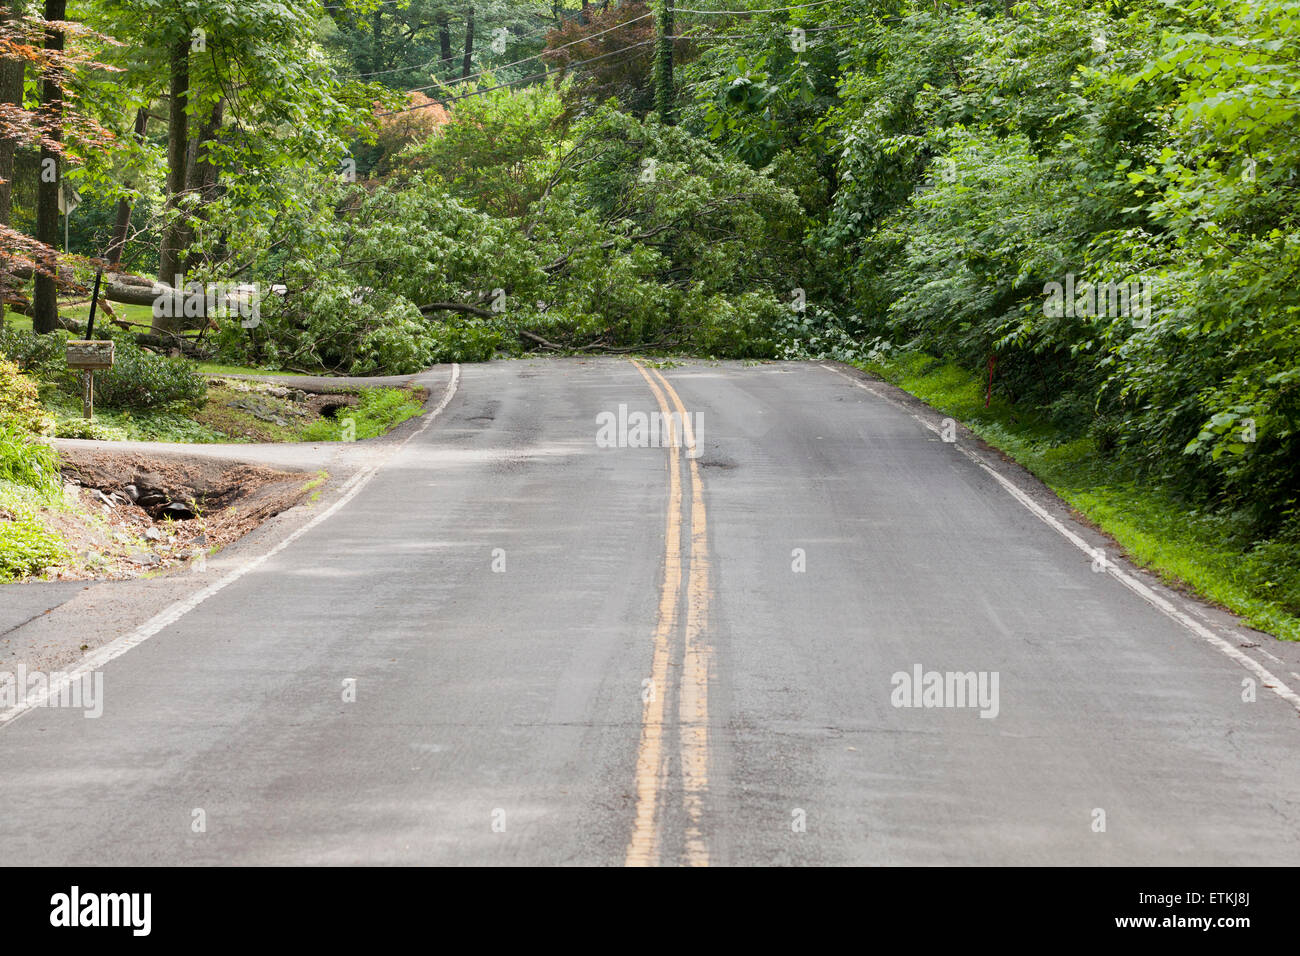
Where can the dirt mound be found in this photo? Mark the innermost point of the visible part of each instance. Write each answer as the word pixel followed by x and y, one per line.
pixel 154 511
pixel 155 482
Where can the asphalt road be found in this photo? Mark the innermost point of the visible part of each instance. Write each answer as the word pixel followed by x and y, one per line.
pixel 501 643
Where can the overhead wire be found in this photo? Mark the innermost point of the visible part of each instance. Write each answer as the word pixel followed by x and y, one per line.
pixel 512 39
pixel 602 56
pixel 522 79
pixel 536 56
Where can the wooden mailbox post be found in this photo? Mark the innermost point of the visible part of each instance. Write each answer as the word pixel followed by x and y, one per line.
pixel 88 355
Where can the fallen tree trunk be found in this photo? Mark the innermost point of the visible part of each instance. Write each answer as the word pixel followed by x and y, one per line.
pixel 132 290
pixel 164 342
pixel 455 307
pixel 533 337
pixel 187 308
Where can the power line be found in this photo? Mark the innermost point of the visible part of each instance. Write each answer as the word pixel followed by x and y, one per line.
pixel 522 79
pixel 602 56
pixel 798 6
pixel 535 56
pixel 750 36
pixel 527 59
pixel 382 3
pixel 512 39
pixel 538 76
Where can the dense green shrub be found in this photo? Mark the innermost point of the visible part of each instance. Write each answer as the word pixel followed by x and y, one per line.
pixel 743 327
pixel 138 379
pixel 43 356
pixel 27 545
pixel 141 379
pixel 20 406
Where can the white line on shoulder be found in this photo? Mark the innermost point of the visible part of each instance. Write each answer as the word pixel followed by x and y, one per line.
pixel 1160 603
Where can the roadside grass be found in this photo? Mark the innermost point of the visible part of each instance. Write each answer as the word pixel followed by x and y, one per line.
pixel 29 481
pixel 241 425
pixel 80 311
pixel 27 462
pixel 379 410
pixel 314 485
pixel 321 476
pixel 1196 549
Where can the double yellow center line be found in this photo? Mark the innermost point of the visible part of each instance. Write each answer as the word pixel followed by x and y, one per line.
pixel 653 770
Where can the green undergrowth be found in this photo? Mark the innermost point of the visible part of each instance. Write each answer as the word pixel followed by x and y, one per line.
pixel 377 411
pixel 29 481
pixel 26 545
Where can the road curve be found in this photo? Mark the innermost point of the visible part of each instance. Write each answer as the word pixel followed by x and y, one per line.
pixel 511 645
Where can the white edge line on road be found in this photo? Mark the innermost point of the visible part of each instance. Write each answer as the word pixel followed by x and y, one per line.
pixel 170 615
pixel 1133 584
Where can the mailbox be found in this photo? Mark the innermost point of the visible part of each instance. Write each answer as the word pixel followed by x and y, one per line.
pixel 90 354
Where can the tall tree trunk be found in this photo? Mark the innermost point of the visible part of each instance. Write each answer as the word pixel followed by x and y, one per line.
pixel 444 39
pixel 173 240
pixel 45 303
pixel 467 66
pixel 123 224
pixel 664 61
pixel 586 11
pixel 211 173
pixel 201 172
pixel 376 30
pixel 11 94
